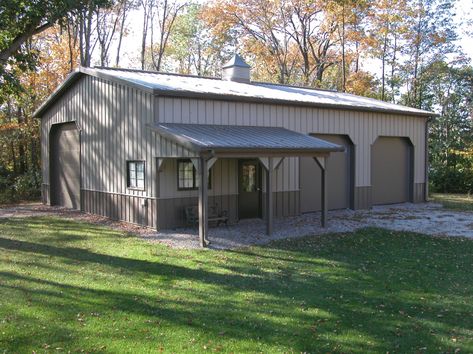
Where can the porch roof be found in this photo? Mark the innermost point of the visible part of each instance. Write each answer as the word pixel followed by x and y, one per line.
pixel 244 139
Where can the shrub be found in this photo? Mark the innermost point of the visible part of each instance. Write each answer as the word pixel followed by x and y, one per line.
pixel 28 186
pixel 7 194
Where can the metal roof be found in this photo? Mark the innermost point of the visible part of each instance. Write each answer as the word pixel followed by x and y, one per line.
pixel 174 85
pixel 234 138
pixel 236 60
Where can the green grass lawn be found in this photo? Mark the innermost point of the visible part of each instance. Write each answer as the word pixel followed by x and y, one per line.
pixel 454 201
pixel 69 286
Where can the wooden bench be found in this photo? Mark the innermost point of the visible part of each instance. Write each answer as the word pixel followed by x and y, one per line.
pixel 215 216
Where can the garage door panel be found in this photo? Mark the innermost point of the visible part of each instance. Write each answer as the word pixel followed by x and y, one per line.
pixel 65 166
pixel 390 175
pixel 338 178
pixel 309 184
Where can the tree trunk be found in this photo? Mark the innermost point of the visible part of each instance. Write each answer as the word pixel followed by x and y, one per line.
pixel 13 47
pixel 70 45
pixel 13 158
pixel 383 72
pixel 393 66
pixel 147 7
pixel 88 33
pixel 120 36
pixel 416 59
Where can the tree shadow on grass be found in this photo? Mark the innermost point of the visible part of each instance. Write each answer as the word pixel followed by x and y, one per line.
pixel 323 303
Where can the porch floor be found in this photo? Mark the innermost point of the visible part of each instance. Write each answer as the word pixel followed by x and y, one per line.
pixel 427 218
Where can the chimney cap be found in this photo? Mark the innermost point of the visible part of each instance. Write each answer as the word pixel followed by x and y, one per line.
pixel 236 60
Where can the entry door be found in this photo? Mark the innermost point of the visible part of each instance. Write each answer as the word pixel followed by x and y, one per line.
pixel 249 189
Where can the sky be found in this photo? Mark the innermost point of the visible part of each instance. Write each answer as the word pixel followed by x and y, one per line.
pixel 132 43
pixel 464 11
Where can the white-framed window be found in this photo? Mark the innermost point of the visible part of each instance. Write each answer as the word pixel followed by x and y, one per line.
pixel 136 174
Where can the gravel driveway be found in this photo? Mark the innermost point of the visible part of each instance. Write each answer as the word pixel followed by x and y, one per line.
pixel 426 218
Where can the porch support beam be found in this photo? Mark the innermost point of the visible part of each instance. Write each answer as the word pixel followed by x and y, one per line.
pixel 276 162
pixel 321 161
pixel 203 202
pixel 211 162
pixel 159 164
pixel 269 196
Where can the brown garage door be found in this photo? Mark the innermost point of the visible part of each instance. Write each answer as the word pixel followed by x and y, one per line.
pixel 390 166
pixel 339 177
pixel 65 166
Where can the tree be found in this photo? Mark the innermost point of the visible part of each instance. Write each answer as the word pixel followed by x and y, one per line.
pixel 19 132
pixel 450 90
pixel 193 48
pixel 260 29
pixel 108 23
pixel 164 15
pixel 431 38
pixel 126 6
pixel 388 22
pixel 87 26
pixel 19 21
pixel 349 19
pixel 147 8
pixel 314 33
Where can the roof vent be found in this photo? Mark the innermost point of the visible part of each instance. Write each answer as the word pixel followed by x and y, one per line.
pixel 236 70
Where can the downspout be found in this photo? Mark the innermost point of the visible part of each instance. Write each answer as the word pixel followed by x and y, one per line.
pixel 426 186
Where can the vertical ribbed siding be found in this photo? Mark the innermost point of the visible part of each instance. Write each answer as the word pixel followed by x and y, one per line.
pixel 113 120
pixel 362 127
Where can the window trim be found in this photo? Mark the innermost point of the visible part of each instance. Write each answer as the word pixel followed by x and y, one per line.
pixel 128 180
pixel 194 177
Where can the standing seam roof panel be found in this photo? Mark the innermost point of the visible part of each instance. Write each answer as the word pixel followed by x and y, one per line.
pixel 245 137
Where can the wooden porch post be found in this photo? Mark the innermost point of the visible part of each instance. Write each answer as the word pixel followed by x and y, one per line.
pixel 269 197
pixel 324 195
pixel 203 202
pixel 321 161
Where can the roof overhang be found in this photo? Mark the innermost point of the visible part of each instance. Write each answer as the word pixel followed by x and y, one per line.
pixel 243 141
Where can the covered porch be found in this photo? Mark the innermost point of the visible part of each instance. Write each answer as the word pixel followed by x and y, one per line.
pixel 204 145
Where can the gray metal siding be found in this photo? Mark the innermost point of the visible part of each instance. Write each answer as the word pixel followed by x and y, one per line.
pixel 113 120
pixel 362 127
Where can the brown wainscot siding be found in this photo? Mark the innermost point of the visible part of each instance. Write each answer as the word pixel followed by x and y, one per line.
pixel 419 193
pixel 362 198
pixel 124 207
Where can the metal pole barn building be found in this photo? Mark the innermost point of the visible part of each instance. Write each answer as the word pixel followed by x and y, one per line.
pixel 145 147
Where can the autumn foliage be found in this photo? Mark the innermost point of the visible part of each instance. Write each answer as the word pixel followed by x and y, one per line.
pixel 393 50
